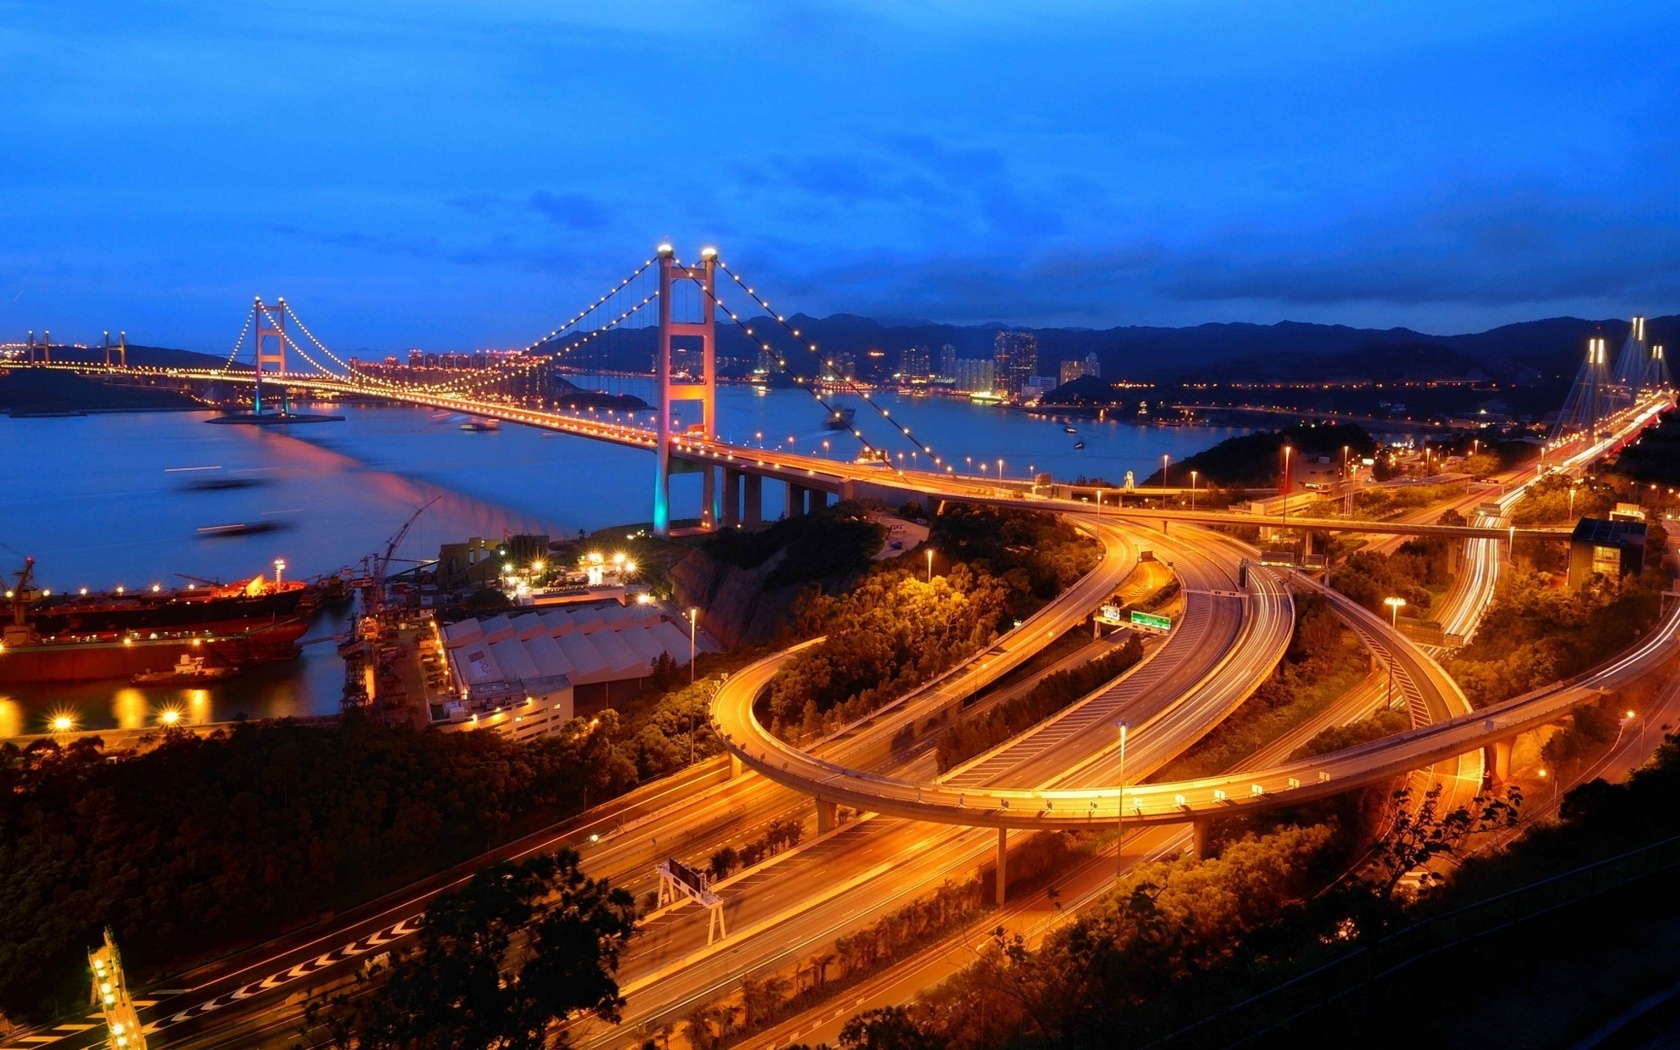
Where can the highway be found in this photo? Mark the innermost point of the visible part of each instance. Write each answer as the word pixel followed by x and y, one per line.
pixel 782 911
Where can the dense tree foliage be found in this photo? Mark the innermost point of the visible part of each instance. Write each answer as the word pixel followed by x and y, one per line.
pixel 498 962
pixel 1534 634
pixel 1410 573
pixel 1386 722
pixel 1257 459
pixel 831 542
pixel 202 843
pixel 1037 556
pixel 889 634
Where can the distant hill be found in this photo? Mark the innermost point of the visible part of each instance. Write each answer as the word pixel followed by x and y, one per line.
pixel 1523 352
pixel 150 356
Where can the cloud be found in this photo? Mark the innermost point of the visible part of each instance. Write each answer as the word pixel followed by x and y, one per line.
pixel 574 211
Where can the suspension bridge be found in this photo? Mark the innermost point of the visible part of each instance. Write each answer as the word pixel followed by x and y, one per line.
pixel 674 308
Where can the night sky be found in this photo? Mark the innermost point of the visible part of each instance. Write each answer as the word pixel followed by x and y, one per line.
pixel 467 174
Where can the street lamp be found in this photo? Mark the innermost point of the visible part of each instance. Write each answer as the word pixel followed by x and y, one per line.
pixel 279 567
pixel 1283 484
pixel 1000 469
pixel 1192 490
pixel 1120 806
pixel 1394 607
pixel 930 566
pixel 1164 458
pixel 693 618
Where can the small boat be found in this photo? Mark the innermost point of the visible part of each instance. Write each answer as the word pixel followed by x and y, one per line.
pixel 1077 445
pixel 840 418
pixel 479 426
pixel 188 670
pixel 1069 430
pixel 242 528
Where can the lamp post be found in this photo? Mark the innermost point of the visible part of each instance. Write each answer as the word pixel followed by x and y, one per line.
pixel 930 566
pixel 1164 459
pixel 693 618
pixel 1283 484
pixel 1394 607
pixel 1192 490
pixel 1120 806
pixel 1000 468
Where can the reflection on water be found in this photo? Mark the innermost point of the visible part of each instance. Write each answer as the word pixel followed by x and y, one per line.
pixel 97 520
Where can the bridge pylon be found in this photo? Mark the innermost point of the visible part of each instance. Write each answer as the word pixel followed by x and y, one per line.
pixel 270 324
pixel 674 387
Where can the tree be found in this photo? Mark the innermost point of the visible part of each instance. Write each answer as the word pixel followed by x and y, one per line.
pixel 471 983
pixel 1419 835
pixel 890 1028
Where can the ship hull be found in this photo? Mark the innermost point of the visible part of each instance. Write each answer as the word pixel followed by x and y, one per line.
pixel 88 660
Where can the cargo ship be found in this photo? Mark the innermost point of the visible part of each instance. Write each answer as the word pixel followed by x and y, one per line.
pixel 205 606
pixel 33 650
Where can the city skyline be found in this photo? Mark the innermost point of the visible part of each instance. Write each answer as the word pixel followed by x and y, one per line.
pixel 449 176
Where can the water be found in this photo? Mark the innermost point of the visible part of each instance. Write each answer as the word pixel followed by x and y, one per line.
pixel 102 500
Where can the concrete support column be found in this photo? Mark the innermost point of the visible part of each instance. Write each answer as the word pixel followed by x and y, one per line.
pixel 752 500
pixel 731 516
pixel 816 500
pixel 709 514
pixel 736 768
pixel 826 817
pixel 1501 759
pixel 1198 838
pixel 1002 864
pixel 795 500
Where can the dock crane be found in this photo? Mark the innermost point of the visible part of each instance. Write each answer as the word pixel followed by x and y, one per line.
pixel 373 597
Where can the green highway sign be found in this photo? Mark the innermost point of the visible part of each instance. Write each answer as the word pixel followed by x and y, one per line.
pixel 1143 619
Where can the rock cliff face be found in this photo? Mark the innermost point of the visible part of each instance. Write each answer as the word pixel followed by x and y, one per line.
pixel 734 605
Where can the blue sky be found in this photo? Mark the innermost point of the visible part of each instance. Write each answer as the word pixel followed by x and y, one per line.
pixel 462 174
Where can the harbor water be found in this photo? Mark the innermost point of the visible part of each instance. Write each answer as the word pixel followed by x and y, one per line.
pixel 140 499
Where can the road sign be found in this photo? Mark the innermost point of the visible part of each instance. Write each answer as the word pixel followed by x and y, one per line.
pixel 1151 621
pixel 1110 614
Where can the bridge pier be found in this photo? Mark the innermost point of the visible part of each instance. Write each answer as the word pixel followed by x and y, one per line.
pixel 826 817
pixel 736 768
pixel 1499 758
pixel 816 500
pixel 730 515
pixel 752 500
pixel 710 512
pixel 1002 864
pixel 1198 839
pixel 795 500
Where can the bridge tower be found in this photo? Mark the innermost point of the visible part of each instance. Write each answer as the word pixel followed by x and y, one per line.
pixel 270 324
pixel 675 335
pixel 120 346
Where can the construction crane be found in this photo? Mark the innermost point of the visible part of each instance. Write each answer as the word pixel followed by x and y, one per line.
pixel 373 598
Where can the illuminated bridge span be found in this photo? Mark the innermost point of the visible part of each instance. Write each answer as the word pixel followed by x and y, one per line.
pixel 681 305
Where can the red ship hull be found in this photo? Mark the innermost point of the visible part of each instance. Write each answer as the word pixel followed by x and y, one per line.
pixel 85 659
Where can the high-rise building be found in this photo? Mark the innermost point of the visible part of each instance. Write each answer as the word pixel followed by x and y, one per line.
pixel 1014 359
pixel 843 365
pixel 1070 371
pixel 915 363
pixel 973 375
pixel 948 361
pixel 417 358
pixel 1093 367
